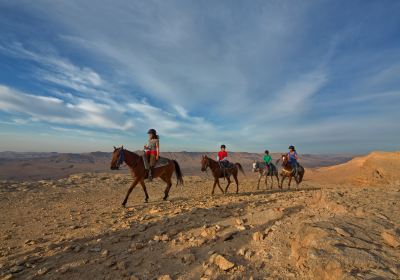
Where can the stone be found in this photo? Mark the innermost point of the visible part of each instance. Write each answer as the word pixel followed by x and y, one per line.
pixel 241 227
pixel 258 236
pixel 95 249
pixel 241 251
pixel 16 269
pixel 188 258
pixel 104 253
pixel 77 249
pixel 42 271
pixel 239 222
pixel 164 277
pixel 391 239
pixel 122 265
pixel 52 246
pixel 248 255
pixel 221 262
pixel 342 232
pixel 159 238
pixel 30 242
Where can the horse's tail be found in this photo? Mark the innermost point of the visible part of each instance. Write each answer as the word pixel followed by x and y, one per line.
pixel 240 168
pixel 301 174
pixel 179 176
pixel 274 169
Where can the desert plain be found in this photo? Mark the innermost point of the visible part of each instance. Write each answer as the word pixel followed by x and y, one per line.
pixel 343 222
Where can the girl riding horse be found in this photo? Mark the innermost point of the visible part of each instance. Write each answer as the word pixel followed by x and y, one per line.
pixel 152 150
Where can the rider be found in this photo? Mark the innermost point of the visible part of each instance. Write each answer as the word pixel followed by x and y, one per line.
pixel 293 158
pixel 267 159
pixel 222 155
pixel 152 150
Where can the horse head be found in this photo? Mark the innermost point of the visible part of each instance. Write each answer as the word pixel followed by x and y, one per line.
pixel 117 158
pixel 204 163
pixel 285 159
pixel 255 166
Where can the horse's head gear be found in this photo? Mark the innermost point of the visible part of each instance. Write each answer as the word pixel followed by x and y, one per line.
pixel 121 158
pixel 204 163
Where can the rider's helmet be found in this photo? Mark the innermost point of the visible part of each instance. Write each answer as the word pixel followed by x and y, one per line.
pixel 266 152
pixel 152 131
pixel 223 146
pixel 291 147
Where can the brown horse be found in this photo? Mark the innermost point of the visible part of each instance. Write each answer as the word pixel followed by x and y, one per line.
pixel 218 172
pixel 138 171
pixel 287 171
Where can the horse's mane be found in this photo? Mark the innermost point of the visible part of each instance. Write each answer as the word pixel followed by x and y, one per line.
pixel 207 157
pixel 130 152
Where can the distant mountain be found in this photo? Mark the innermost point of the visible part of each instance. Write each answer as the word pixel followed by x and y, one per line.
pixel 376 168
pixel 36 166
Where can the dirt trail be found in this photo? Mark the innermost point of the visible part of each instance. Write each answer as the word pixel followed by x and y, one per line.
pixel 74 228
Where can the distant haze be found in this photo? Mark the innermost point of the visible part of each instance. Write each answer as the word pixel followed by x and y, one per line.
pixel 37 166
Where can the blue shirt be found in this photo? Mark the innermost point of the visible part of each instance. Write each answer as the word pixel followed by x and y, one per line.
pixel 292 157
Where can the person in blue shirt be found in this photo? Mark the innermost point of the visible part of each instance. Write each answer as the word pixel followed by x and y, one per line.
pixel 293 159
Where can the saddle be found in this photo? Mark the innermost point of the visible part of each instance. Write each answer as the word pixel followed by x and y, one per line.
pixel 162 161
pixel 225 165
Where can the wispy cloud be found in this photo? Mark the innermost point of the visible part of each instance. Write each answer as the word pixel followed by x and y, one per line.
pixel 248 75
pixel 53 110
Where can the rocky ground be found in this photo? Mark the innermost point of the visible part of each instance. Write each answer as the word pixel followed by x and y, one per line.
pixel 74 228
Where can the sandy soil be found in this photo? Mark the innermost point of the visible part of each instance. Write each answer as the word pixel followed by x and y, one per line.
pixel 74 228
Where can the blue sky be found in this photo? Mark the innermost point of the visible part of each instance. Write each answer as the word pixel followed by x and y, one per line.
pixel 86 75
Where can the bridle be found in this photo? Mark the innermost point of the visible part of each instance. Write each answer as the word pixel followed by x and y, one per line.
pixel 206 164
pixel 121 159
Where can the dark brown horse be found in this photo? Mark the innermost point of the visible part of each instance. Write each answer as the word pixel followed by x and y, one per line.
pixel 218 172
pixel 287 171
pixel 138 171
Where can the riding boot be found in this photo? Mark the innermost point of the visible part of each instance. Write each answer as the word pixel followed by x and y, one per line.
pixel 150 176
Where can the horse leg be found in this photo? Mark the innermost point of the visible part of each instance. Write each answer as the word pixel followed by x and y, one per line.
pixel 129 191
pixel 237 182
pixel 283 179
pixel 277 178
pixel 166 192
pixel 290 180
pixel 259 179
pixel 297 179
pixel 228 178
pixel 215 183
pixel 219 186
pixel 146 199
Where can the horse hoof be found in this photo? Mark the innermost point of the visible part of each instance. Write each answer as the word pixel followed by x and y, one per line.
pixel 123 205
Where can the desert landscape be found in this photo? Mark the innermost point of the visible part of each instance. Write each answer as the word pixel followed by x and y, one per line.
pixel 342 223
pixel 106 107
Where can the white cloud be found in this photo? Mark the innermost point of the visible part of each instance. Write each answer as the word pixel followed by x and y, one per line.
pixel 50 109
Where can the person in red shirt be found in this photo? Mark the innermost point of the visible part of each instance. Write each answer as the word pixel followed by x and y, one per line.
pixel 222 155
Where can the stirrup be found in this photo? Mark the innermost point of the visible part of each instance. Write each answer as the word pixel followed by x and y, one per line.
pixel 149 176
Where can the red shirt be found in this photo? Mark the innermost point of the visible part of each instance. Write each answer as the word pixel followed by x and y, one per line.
pixel 222 155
